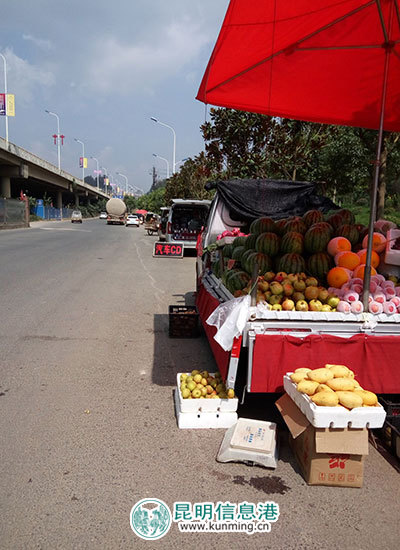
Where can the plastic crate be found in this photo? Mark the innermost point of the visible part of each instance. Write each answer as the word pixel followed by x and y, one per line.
pixel 183 322
pixel 391 406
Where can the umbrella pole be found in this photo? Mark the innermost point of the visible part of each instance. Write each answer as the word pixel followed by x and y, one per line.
pixel 372 216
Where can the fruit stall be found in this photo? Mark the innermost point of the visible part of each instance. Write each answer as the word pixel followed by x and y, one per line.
pixel 307 306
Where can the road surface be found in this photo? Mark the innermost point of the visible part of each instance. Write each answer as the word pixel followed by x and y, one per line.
pixel 87 421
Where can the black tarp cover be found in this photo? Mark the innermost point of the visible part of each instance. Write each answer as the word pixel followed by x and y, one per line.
pixel 277 199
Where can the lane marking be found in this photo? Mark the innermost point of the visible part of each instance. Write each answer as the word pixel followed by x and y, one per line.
pixel 64 229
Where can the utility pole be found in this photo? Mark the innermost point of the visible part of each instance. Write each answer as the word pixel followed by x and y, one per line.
pixel 154 175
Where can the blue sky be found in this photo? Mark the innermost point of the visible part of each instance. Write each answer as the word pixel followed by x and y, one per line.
pixel 105 68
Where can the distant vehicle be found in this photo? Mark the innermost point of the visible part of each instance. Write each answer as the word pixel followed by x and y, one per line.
pixel 185 221
pixel 76 216
pixel 103 215
pixel 116 211
pixel 132 220
pixel 151 223
pixel 162 230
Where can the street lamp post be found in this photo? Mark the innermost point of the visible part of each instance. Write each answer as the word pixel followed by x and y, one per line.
pixel 5 94
pixel 173 132
pixel 97 172
pixel 126 181
pixel 106 174
pixel 58 137
pixel 83 158
pixel 162 158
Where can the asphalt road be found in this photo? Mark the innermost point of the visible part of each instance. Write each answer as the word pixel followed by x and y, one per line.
pixel 87 425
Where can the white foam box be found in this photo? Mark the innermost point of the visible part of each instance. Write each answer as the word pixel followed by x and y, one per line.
pixel 334 417
pixel 205 405
pixel 252 442
pixel 200 419
pixel 392 257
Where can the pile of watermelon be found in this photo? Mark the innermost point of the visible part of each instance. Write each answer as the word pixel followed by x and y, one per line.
pixel 292 245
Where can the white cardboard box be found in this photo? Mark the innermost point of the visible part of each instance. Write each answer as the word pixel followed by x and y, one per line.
pixel 392 256
pixel 200 419
pixel 334 417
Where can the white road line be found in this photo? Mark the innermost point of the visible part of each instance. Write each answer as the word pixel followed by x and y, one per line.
pixel 64 229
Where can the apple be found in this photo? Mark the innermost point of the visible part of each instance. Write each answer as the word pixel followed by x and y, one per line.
pixel 269 276
pixel 220 388
pixel 205 373
pixel 196 393
pixel 191 386
pixel 297 296
pixel 203 391
pixel 299 285
pixel 314 305
pixel 333 301
pixel 277 307
pixel 288 305
pixel 209 389
pixel 189 379
pixel 194 372
pixel 326 307
pixel 197 378
pixel 230 393
pixel 183 376
pixel 301 305
pixel 204 381
pixel 185 393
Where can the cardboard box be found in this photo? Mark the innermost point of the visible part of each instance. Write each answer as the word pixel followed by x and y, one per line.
pixel 326 456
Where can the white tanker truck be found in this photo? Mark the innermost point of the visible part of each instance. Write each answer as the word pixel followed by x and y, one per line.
pixel 116 211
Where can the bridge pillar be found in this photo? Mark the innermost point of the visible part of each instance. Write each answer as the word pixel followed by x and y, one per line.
pixel 5 187
pixel 76 199
pixel 59 200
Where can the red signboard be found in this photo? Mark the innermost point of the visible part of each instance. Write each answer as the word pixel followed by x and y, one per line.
pixel 167 250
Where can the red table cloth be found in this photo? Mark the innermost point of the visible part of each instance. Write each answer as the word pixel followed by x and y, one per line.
pixel 375 359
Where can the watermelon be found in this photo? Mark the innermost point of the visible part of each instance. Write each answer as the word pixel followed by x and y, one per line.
pixel 236 280
pixel 250 243
pixel 264 262
pixel 292 242
pixel 238 241
pixel 295 224
pixel 227 251
pixel 313 216
pixel 350 232
pixel 347 216
pixel 280 224
pixel 263 225
pixel 237 253
pixel 317 238
pixel 336 221
pixel 244 258
pixel 292 263
pixel 268 243
pixel 319 264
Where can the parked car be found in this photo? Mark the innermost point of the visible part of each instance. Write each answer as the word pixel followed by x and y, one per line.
pixel 185 221
pixel 103 215
pixel 132 220
pixel 76 216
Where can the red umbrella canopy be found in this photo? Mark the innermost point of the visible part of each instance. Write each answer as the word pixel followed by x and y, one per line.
pixel 319 60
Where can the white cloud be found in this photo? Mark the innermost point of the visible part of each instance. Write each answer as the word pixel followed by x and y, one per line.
pixel 133 68
pixel 23 78
pixel 39 42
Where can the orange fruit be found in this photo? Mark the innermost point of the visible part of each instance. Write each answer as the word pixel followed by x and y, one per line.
pixel 378 242
pixel 359 271
pixel 347 259
pixel 337 277
pixel 338 244
pixel 374 257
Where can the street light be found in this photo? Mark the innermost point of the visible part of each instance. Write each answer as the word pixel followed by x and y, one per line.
pixel 58 137
pixel 97 171
pixel 126 181
pixel 162 158
pixel 83 158
pixel 180 161
pixel 173 131
pixel 5 94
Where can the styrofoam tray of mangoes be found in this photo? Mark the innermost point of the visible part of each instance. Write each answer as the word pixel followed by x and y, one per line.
pixel 331 397
pixel 213 396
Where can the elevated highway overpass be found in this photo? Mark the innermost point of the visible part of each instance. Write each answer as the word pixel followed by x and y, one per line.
pixel 23 171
